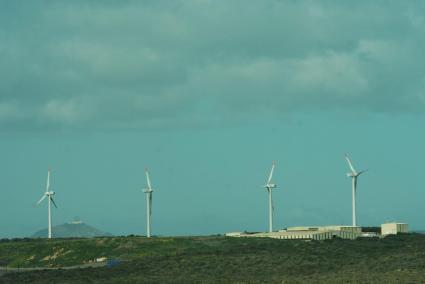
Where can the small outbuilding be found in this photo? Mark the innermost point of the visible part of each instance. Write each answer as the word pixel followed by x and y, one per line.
pixel 394 228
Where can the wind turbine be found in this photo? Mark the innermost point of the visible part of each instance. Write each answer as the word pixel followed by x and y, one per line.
pixel 354 175
pixel 148 192
pixel 49 194
pixel 269 186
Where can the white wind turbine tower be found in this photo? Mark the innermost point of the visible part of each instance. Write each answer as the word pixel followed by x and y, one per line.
pixel 269 186
pixel 148 192
pixel 49 194
pixel 354 175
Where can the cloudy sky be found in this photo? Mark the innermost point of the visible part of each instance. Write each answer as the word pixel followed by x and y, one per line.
pixel 206 94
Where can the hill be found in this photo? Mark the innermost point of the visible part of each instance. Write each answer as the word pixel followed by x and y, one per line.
pixel 217 259
pixel 72 230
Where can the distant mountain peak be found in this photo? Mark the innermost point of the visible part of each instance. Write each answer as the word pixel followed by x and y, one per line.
pixel 73 229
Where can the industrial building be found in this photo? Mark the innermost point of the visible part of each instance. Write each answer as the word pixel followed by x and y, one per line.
pixel 307 233
pixel 324 232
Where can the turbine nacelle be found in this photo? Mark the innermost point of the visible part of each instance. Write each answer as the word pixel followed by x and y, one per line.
pixel 148 190
pixel 270 185
pixel 354 175
pixel 49 195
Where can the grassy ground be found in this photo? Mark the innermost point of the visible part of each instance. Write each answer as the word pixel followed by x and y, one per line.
pixel 395 259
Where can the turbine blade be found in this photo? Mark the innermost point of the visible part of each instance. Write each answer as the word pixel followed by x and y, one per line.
pixel 350 164
pixel 148 179
pixel 362 172
pixel 271 173
pixel 41 199
pixel 53 202
pixel 48 180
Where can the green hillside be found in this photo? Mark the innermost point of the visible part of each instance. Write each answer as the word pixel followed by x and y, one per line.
pixel 395 259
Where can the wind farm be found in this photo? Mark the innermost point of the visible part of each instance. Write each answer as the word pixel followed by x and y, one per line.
pixel 73 258
pixel 316 232
pixel 199 141
pixel 59 253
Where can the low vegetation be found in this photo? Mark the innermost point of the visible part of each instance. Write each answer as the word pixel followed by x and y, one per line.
pixel 217 259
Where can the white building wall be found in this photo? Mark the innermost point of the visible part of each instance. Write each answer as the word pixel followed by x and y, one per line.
pixel 394 228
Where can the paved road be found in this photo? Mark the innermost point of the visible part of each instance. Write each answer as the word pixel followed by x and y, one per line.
pixel 4 270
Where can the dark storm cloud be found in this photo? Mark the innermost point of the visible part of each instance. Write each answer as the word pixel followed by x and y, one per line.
pixel 137 64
